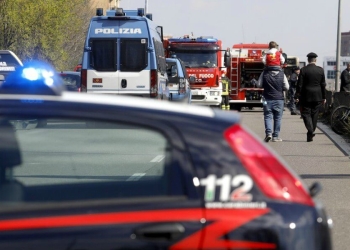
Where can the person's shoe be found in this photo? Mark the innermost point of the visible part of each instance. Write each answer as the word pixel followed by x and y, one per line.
pixel 293 113
pixel 309 137
pixel 276 139
pixel 268 138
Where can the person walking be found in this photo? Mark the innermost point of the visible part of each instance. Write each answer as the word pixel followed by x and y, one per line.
pixel 345 79
pixel 292 89
pixel 311 93
pixel 274 82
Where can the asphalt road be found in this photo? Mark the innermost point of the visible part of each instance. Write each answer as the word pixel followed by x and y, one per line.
pixel 325 160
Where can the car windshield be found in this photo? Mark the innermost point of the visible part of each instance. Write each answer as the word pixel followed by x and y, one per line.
pixel 200 59
pixel 8 63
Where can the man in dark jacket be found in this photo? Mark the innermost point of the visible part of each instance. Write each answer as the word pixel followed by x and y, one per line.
pixel 311 93
pixel 345 79
pixel 292 89
pixel 274 82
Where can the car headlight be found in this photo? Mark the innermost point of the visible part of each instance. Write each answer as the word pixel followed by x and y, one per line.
pixel 214 93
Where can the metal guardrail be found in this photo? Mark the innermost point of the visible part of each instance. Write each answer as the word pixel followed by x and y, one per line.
pixel 335 99
pixel 341 98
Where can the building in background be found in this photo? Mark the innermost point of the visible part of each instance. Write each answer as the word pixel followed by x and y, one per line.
pixel 329 66
pixel 345 44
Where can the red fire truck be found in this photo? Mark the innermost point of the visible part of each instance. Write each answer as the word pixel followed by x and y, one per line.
pixel 203 60
pixel 244 65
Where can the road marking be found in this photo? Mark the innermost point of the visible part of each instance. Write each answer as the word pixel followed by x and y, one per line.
pixel 135 177
pixel 158 158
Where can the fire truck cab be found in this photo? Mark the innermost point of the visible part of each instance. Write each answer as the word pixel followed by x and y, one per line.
pixel 202 59
pixel 244 64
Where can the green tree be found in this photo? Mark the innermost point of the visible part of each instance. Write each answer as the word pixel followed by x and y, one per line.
pixel 47 30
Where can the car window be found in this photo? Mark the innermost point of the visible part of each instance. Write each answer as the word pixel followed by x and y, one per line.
pixel 71 80
pixel 8 60
pixel 8 63
pixel 172 69
pixel 65 160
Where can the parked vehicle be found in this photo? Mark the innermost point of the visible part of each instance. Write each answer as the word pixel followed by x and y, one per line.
pixel 244 63
pixel 202 59
pixel 71 80
pixel 179 81
pixel 136 173
pixel 291 63
pixel 124 54
pixel 8 62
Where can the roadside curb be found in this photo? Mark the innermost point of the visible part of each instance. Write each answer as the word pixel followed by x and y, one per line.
pixel 338 140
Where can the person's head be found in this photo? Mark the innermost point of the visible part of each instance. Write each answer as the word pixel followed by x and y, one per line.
pixel 348 66
pixel 311 57
pixel 297 70
pixel 273 45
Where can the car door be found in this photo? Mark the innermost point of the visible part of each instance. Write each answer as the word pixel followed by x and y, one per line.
pixel 172 71
pixel 83 183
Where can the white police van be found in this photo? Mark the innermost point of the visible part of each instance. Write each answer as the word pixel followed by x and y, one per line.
pixel 123 54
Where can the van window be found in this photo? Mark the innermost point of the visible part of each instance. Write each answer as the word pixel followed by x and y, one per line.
pixel 133 54
pixel 161 63
pixel 103 54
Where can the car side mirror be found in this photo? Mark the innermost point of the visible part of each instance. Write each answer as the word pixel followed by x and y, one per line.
pixel 227 57
pixel 315 188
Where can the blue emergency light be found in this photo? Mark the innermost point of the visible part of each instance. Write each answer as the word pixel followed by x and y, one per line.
pixel 33 78
pixel 198 40
pixel 119 12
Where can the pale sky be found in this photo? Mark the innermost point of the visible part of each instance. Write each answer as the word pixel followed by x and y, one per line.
pixel 298 26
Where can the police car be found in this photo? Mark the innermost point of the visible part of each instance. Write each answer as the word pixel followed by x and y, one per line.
pixel 71 80
pixel 115 173
pixel 178 85
pixel 8 63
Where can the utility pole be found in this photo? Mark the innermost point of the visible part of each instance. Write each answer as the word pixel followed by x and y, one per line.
pixel 146 6
pixel 337 75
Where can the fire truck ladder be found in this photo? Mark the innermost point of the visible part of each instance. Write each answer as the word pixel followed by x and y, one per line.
pixel 234 75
